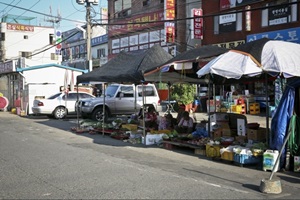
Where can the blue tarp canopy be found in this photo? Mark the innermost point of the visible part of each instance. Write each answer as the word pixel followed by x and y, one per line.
pixel 281 119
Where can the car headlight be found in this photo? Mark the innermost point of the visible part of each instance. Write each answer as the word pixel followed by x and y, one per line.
pixel 87 103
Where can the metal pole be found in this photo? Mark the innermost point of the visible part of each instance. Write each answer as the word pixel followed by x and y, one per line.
pixel 88 36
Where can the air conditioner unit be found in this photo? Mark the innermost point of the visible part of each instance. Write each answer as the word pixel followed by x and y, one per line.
pixel 182 66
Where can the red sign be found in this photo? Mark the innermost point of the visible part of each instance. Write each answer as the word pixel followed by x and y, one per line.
pixel 170 9
pixel 198 23
pixel 170 32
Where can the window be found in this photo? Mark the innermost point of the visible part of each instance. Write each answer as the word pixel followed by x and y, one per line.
pixel 126 90
pixel 2 37
pixel 101 53
pixel 122 8
pixel 51 39
pixel 148 91
pixel 146 2
pixel 122 5
pixel 54 56
pixel 280 14
pixel 25 54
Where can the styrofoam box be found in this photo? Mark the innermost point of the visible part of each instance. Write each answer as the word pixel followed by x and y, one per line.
pixel 152 139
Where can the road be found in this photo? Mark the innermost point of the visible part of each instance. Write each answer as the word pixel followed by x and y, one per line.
pixel 41 158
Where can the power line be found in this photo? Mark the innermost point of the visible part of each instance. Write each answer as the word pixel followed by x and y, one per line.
pixel 36 12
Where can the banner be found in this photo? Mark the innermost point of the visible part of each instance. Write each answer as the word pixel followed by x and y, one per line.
pixel 197 24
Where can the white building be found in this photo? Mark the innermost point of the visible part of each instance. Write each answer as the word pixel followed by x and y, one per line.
pixel 30 64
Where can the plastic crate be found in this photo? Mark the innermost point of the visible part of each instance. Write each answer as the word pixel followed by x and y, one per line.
pixel 254 108
pixel 247 159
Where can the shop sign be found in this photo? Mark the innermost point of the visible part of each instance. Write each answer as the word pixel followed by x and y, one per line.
pixel 6 67
pixel 136 23
pixel 227 23
pixel 227 4
pixel 197 24
pixel 99 40
pixel 170 32
pixel 169 9
pixel 230 45
pixel 290 35
pixel 19 27
pixel 279 14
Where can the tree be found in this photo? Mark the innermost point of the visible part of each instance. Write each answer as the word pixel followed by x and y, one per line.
pixel 183 93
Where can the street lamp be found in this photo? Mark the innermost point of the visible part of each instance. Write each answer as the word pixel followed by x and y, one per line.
pixel 88 29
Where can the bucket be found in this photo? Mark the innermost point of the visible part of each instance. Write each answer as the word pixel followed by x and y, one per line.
pixel 269 159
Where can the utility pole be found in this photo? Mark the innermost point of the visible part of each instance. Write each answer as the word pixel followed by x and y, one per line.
pixel 88 30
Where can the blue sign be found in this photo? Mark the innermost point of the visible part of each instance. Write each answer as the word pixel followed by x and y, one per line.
pixel 99 40
pixel 289 35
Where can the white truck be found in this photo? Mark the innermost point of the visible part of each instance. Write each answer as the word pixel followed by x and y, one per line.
pixel 120 99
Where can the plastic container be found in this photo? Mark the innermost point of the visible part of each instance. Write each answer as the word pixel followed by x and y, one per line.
pixel 269 159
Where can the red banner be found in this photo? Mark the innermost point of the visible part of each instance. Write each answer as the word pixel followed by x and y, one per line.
pixel 169 9
pixel 170 32
pixel 198 23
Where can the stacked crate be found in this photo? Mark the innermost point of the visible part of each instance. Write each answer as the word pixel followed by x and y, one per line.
pixel 239 109
pixel 254 108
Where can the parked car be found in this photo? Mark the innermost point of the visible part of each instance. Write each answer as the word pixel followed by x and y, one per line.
pixel 120 99
pixel 59 105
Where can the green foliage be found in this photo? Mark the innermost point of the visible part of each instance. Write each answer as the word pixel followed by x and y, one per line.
pixel 183 93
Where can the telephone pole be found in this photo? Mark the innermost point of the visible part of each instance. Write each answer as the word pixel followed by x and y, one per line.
pixel 88 30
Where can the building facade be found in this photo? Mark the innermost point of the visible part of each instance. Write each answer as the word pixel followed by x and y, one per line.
pixel 23 45
pixel 230 23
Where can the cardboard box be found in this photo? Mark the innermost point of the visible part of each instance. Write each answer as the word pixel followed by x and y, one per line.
pixel 257 134
pixel 219 117
pixel 152 139
pixel 226 132
pixel 217 133
pixel 240 139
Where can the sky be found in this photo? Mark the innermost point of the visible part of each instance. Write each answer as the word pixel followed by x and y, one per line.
pixel 72 13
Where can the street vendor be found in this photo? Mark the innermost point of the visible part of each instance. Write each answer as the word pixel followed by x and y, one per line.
pixel 186 123
pixel 151 118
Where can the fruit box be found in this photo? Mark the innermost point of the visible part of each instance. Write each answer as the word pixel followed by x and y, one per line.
pixel 227 155
pixel 212 150
pixel 257 134
pixel 247 159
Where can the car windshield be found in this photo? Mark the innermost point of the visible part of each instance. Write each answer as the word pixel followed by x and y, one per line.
pixel 110 91
pixel 54 96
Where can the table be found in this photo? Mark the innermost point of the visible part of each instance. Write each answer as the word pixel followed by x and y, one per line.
pixel 170 105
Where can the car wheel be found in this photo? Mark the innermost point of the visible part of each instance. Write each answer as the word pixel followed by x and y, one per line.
pixel 60 113
pixel 98 115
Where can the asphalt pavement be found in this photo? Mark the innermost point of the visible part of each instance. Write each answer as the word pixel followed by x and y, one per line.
pixel 290 180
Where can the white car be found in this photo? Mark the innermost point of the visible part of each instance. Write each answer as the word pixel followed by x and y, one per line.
pixel 59 105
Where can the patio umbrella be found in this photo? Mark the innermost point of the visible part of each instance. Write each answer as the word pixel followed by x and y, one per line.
pixel 264 55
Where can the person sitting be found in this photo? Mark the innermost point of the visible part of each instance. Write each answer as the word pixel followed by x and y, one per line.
pixel 151 118
pixel 186 123
pixel 181 109
pixel 167 122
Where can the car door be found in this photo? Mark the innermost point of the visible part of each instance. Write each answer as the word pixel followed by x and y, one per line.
pixel 70 99
pixel 125 100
